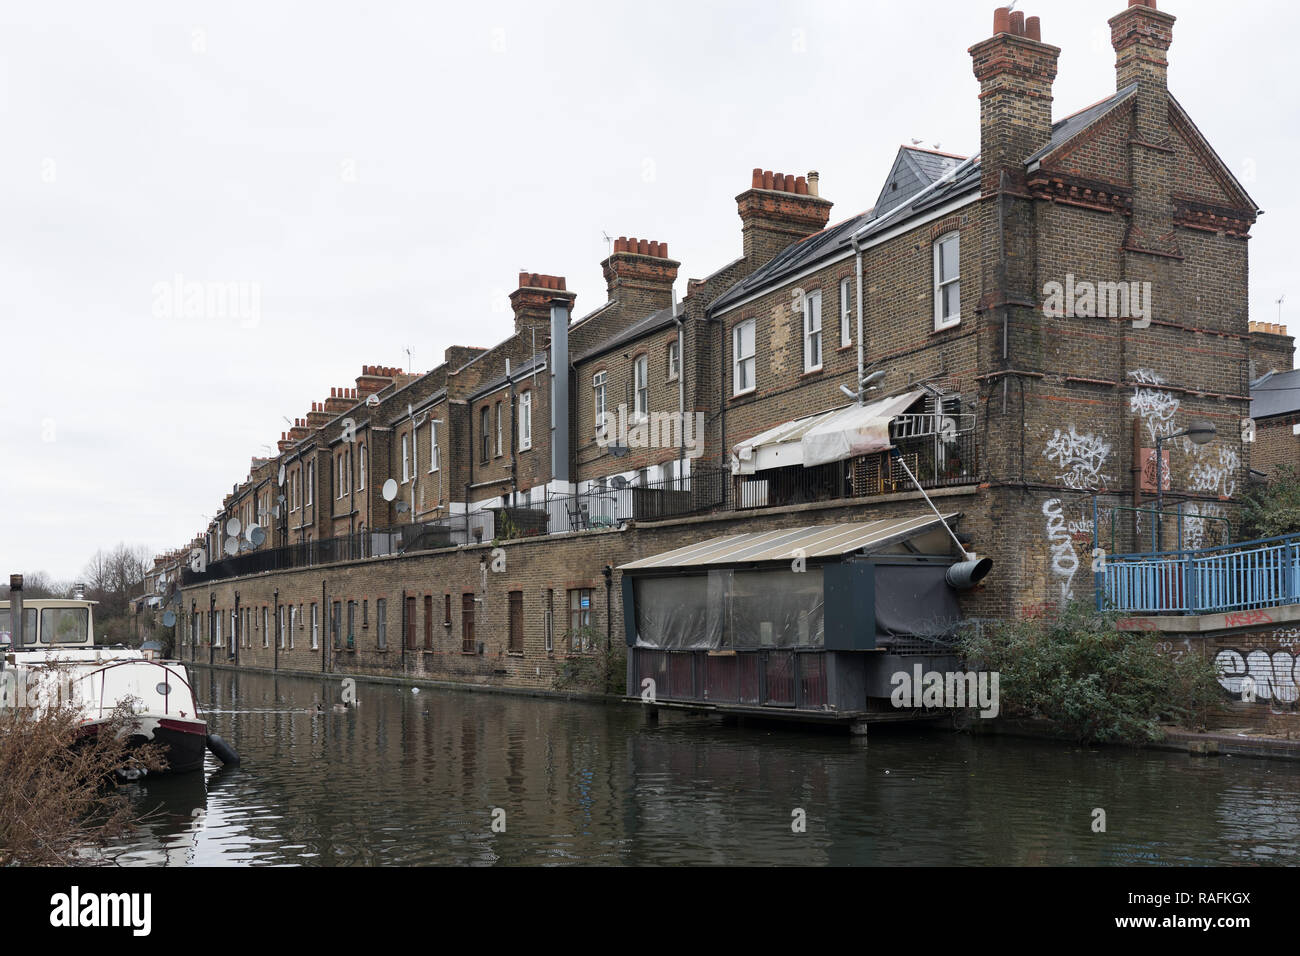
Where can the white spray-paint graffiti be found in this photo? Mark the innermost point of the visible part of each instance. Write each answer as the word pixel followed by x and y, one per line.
pixel 1153 405
pixel 1274 678
pixel 1081 456
pixel 1200 529
pixel 1215 470
pixel 1064 559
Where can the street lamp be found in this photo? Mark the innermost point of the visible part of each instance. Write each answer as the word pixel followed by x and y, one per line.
pixel 1200 432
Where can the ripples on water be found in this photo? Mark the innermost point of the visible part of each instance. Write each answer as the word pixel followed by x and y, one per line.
pixel 414 779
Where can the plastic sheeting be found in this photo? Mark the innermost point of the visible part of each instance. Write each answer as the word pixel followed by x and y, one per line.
pixel 914 601
pixel 727 609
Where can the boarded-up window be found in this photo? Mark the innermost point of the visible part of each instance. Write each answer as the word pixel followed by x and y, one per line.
pixel 381 623
pixel 467 623
pixel 410 623
pixel 428 622
pixel 516 622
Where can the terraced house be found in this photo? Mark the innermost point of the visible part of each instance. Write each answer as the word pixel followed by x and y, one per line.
pixel 729 483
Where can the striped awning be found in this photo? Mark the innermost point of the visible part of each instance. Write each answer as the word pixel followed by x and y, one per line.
pixel 826 541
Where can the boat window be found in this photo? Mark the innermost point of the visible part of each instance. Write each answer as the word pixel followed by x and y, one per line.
pixel 29 628
pixel 64 625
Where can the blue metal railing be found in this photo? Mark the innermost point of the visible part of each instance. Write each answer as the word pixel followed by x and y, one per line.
pixel 1235 577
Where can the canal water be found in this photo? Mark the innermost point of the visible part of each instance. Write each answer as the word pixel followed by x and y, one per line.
pixel 454 777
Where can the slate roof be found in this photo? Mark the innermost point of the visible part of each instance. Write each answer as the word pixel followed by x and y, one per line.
pixel 651 323
pixel 835 240
pixel 1065 130
pixel 914 169
pixel 1277 393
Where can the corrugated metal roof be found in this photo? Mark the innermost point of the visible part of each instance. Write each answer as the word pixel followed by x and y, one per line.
pixel 826 541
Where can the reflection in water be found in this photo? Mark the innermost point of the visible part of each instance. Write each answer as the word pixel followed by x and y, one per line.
pixel 415 779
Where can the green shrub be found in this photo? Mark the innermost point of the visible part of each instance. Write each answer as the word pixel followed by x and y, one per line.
pixel 595 670
pixel 1097 683
pixel 1273 509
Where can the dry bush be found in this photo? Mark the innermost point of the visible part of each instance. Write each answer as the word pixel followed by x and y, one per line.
pixel 59 800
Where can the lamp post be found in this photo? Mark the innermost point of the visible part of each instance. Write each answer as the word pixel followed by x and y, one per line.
pixel 1200 431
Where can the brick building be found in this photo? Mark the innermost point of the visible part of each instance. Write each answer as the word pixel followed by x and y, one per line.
pixel 1015 329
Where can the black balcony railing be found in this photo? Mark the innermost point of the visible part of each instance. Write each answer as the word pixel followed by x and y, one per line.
pixel 605 506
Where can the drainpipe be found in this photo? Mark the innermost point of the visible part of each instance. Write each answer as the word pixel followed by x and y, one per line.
pixel 857 268
pixel 681 386
pixel 194 610
pixel 609 607
pixel 212 628
pixel 404 627
pixel 236 630
pixel 324 617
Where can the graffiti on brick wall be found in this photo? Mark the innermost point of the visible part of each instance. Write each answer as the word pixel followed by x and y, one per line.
pixel 1200 529
pixel 1153 405
pixel 1081 457
pixel 1215 469
pixel 1268 677
pixel 1063 559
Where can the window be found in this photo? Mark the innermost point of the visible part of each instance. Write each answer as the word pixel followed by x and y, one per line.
pixel 812 331
pixel 947 280
pixel 311 480
pixel 598 397
pixel 352 623
pixel 674 360
pixel 410 623
pixel 217 641
pixel 498 446
pixel 485 435
pixel 516 622
pixel 339 490
pixel 446 609
pixel 428 622
pixel 579 619
pixel 194 629
pixel 467 623
pixel 381 623
pixel 293 492
pixel 433 446
pixel 266 631
pixel 336 623
pixel 525 421
pixel 279 627
pixel 742 340
pixel 550 620
pixel 641 385
pixel 315 628
pixel 846 333
pixel 295 614
pixel 361 462
pixel 406 458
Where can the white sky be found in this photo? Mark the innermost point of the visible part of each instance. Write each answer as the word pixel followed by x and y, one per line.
pixel 383 170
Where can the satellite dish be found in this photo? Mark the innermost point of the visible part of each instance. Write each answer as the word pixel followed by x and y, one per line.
pixel 403 507
pixel 245 546
pixel 618 451
pixel 169 619
pixel 390 489
pixel 231 546
pixel 281 498
pixel 372 400
pixel 275 511
pixel 248 532
pixel 257 536
pixel 619 482
pixel 233 527
pixel 279 478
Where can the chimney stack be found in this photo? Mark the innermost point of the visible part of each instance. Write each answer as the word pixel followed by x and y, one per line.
pixel 639 274
pixel 1015 69
pixel 532 302
pixel 374 378
pixel 1141 36
pixel 777 210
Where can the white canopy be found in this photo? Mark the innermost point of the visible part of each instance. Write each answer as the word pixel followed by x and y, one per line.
pixel 822 438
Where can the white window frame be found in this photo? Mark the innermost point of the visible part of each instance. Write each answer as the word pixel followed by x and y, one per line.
pixel 525 420
pixel 738 358
pixel 942 321
pixel 339 492
pixel 266 630
pixel 846 303
pixel 315 627
pixel 279 627
pixel 674 361
pixel 500 420
pixel 292 609
pixel 600 397
pixel 217 642
pixel 433 446
pixel 311 481
pixel 812 336
pixel 406 458
pixel 641 386
pixel 361 463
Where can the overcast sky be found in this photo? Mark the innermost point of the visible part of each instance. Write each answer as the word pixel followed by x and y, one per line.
pixel 376 174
